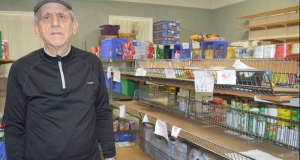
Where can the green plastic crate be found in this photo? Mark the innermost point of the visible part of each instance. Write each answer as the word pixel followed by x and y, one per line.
pixel 163 53
pixel 128 86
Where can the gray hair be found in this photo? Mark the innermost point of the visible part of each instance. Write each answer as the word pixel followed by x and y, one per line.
pixel 36 16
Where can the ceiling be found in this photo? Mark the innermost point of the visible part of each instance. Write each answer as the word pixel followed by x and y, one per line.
pixel 207 4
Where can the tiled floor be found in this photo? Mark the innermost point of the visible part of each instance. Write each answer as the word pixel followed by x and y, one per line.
pixel 131 153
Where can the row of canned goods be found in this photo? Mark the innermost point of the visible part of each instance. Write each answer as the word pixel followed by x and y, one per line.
pixel 120 125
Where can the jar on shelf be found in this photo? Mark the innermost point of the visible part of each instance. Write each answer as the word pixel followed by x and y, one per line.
pixel 217 104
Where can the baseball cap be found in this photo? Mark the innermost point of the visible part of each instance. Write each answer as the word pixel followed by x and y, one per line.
pixel 39 3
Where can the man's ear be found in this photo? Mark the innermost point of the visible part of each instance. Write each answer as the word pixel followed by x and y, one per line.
pixel 36 29
pixel 75 27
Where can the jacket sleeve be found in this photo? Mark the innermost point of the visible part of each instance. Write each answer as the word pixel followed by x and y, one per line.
pixel 104 119
pixel 15 118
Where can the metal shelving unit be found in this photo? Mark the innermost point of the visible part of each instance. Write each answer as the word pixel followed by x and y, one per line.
pixel 260 87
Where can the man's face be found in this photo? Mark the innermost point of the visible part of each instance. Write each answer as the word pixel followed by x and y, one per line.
pixel 55 26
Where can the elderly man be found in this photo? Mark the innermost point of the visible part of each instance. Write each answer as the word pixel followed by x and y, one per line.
pixel 57 105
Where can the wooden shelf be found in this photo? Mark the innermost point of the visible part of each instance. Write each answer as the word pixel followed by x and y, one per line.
pixel 202 133
pixel 5 61
pixel 271 12
pixel 278 24
pixel 283 39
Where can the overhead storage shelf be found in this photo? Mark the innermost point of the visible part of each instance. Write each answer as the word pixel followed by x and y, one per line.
pixel 271 12
pixel 294 22
pixel 6 61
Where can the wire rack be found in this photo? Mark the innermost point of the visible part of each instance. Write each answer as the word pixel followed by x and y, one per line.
pixel 250 125
pixel 255 125
pixel 207 145
pixel 250 81
pixel 282 73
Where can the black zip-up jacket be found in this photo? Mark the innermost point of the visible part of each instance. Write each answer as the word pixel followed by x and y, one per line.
pixel 57 108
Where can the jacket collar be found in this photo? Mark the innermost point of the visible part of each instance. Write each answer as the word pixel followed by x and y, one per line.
pixel 53 58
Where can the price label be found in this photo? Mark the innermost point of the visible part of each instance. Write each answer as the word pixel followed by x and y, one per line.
pixel 170 73
pixel 226 77
pixel 175 131
pixel 140 72
pixel 145 119
pixel 204 82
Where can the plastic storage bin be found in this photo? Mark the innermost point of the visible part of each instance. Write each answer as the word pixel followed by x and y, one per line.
pixel 117 86
pixel 216 49
pixel 128 86
pixel 109 29
pixel 107 81
pixel 163 52
pixel 184 53
pixel 127 137
pixel 115 45
pixel 2 151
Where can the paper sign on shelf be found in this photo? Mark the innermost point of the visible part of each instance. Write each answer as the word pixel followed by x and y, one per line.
pixel 226 77
pixel 204 82
pixel 185 46
pixel 196 45
pixel 140 72
pixel 171 46
pixel 145 119
pixel 175 131
pixel 117 75
pixel 170 73
pixel 108 73
pixel 122 111
pixel 161 129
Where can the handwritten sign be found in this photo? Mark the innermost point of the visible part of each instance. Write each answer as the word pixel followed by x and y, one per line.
pixel 170 73
pixel 117 75
pixel 226 77
pixel 161 129
pixel 175 131
pixel 140 72
pixel 204 82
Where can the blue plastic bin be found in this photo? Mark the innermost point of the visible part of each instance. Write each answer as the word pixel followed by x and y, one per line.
pixel 2 151
pixel 117 86
pixel 183 53
pixel 127 137
pixel 107 81
pixel 219 48
pixel 115 45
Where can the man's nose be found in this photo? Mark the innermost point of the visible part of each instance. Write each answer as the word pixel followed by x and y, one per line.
pixel 55 21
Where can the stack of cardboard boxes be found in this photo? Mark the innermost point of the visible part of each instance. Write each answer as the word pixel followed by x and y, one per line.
pixel 166 32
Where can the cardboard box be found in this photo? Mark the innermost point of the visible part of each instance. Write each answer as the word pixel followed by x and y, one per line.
pixel 103 37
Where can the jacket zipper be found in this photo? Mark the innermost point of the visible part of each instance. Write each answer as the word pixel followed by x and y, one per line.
pixel 61 72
